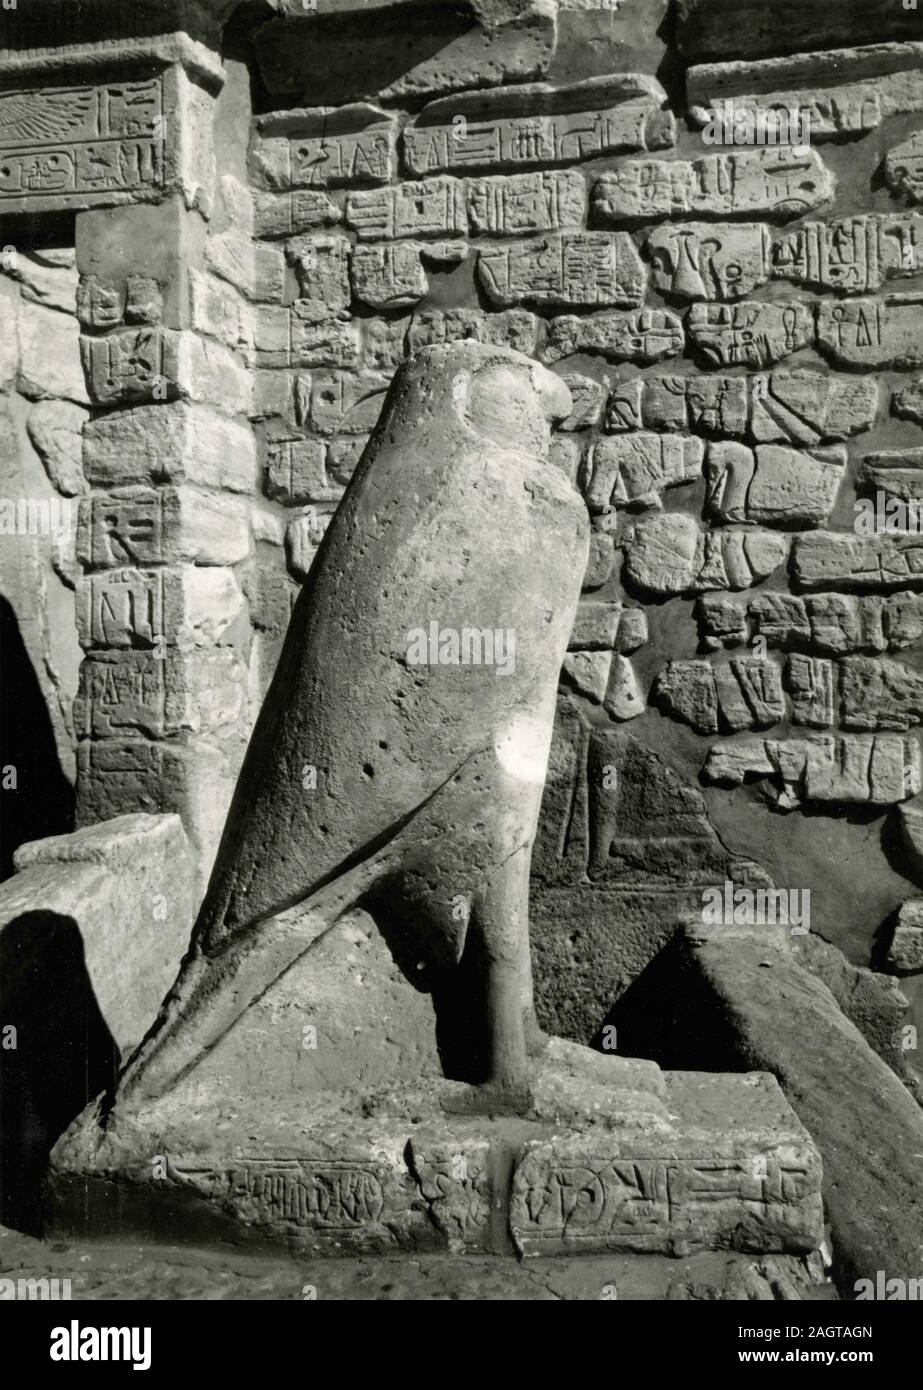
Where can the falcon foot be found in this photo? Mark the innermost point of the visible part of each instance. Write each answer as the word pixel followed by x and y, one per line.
pixel 492 1098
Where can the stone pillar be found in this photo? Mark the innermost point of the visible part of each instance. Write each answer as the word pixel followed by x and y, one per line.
pixel 162 712
pixel 162 709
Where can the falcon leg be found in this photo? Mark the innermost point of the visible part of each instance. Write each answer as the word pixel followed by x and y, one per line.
pixel 501 917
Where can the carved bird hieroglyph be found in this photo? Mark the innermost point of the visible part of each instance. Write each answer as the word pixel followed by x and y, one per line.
pixel 43 118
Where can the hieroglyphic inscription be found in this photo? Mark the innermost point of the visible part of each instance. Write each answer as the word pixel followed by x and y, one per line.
pixel 328 1196
pixel 780 183
pixel 645 336
pixel 579 268
pixel 709 260
pixel 325 147
pixel 121 695
pixel 66 144
pixel 125 530
pixel 516 204
pixel 872 332
pixel 514 128
pixel 854 254
pixel 124 608
pixel 749 333
pixel 643 1203
pixel 322 1195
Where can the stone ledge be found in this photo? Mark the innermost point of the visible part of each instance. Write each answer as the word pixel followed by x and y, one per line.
pixel 712 29
pixel 74 60
pixel 495 41
pixel 124 889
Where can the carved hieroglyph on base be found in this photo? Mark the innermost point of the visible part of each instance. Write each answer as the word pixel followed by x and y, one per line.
pixel 411 788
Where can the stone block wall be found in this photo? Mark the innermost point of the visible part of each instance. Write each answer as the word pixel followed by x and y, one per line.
pixel 163 539
pixel 739 326
pixel 269 218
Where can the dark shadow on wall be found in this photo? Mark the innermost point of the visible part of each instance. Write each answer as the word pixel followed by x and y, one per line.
pixel 363 53
pixel 669 1015
pixel 456 989
pixel 60 1057
pixel 42 802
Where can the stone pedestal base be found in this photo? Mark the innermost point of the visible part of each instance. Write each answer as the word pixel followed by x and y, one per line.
pixel 616 1157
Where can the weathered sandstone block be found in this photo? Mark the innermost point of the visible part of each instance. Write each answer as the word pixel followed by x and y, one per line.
pixel 588 673
pixel 609 1134
pixel 831 558
pixel 908 401
pixel 536 124
pixel 393 50
pixel 286 214
pixel 601 560
pixel 520 204
pixel 151 526
pixel 512 328
pixel 160 695
pixel 645 336
pixel 158 364
pixel 772 483
pixel 897 471
pixel 818 1057
pixel 624 698
pixel 83 145
pixel 193 606
pixel 169 443
pixel 878 693
pixel 588 269
pixel 588 396
pixel 840 91
pixel 570 1196
pixel 425 208
pixel 878 770
pixel 809 407
pixel 325 344
pixel 392 275
pixel 383 343
pixel 852 255
pixel 55 431
pixel 835 623
pixel 872 332
pixel 194 778
pixel 339 402
pixel 325 147
pixel 779 184
pixel 668 554
pixel 256 271
pixel 296 471
pixel 322 267
pixel 127 884
pixel 699 403
pixel 905 953
pixel 750 333
pixel 811 682
pixel 745 693
pixel 709 260
pixel 596 625
pixel 303 535
pixel 635 468
pixel 48 364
